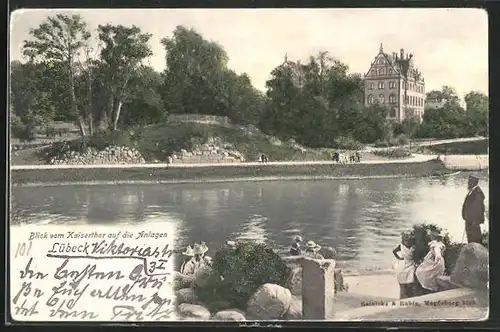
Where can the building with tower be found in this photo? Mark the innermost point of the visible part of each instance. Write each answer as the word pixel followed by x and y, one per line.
pixel 395 82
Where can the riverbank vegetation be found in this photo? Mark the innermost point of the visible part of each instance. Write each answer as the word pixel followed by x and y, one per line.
pixel 98 80
pixel 458 148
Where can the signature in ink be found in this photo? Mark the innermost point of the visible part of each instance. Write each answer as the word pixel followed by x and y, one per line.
pixel 156 308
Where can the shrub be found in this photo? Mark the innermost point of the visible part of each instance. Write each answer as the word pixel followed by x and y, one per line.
pixel 421 233
pixel 396 153
pixel 347 143
pixel 243 271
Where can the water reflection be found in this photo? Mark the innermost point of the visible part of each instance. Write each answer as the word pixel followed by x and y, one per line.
pixel 362 219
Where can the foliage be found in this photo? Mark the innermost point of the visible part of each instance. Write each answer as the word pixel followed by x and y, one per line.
pixel 243 271
pixel 421 233
pixel 470 147
pixel 401 139
pixel 347 143
pixel 395 153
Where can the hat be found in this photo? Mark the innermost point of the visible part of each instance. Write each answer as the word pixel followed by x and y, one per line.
pixel 297 238
pixel 200 249
pixel 474 176
pixel 207 259
pixel 312 245
pixel 188 251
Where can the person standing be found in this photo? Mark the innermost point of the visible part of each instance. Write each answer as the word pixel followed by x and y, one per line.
pixel 405 266
pixel 432 267
pixel 188 266
pixel 312 250
pixel 473 210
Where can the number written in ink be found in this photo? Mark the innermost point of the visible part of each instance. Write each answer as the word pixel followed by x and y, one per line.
pixel 154 265
pixel 23 249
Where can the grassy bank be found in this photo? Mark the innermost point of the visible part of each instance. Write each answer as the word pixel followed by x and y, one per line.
pixel 456 148
pixel 68 175
pixel 157 142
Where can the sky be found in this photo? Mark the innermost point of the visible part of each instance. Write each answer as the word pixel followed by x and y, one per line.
pixel 450 46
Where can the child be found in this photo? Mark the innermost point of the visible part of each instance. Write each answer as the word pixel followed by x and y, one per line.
pixel 432 266
pixel 405 267
pixel 295 249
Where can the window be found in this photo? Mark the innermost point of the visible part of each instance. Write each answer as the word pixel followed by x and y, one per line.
pixel 392 99
pixel 381 71
pixel 381 85
pixel 392 85
pixel 381 98
pixel 390 71
pixel 380 61
pixel 370 86
pixel 406 99
pixel 392 113
pixel 370 99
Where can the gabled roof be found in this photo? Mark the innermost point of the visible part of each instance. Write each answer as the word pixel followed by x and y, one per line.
pixel 386 57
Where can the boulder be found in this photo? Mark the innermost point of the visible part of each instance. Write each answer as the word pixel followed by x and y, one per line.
pixel 471 268
pixel 193 311
pixel 229 315
pixel 444 283
pixel 295 310
pixel 186 295
pixel 270 301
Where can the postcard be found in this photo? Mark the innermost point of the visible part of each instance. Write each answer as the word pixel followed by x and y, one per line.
pixel 248 165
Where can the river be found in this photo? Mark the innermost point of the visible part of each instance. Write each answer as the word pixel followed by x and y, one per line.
pixel 362 219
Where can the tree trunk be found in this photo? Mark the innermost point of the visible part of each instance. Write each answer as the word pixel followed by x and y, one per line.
pixel 117 115
pixel 74 106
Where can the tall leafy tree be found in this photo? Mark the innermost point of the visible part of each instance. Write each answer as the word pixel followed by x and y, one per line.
pixel 59 41
pixel 124 49
pixel 477 113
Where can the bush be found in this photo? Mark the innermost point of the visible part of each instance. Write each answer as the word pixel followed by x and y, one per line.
pixel 243 271
pixel 347 143
pixel 421 233
pixel 395 141
pixel 396 153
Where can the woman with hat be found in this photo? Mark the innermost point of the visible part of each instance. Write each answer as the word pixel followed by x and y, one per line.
pixel 295 250
pixel 188 266
pixel 312 250
pixel 199 251
pixel 432 266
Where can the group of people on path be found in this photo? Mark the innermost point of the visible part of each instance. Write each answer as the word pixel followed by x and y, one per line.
pixel 345 158
pixel 423 279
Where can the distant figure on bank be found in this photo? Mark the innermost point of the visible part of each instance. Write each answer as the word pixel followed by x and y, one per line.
pixel 358 157
pixel 170 160
pixel 263 158
pixel 336 157
pixel 188 266
pixel 405 266
pixel 432 266
pixel 312 250
pixel 296 250
pixel 473 210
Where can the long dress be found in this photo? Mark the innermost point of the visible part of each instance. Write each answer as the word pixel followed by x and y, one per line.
pixel 432 266
pixel 188 268
pixel 405 268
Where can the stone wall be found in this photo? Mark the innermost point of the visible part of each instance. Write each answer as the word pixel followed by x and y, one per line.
pixel 108 156
pixel 213 151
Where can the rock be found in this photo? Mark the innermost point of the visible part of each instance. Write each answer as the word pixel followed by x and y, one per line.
pixel 295 281
pixel 295 310
pixel 186 295
pixel 193 311
pixel 270 301
pixel 471 268
pixel 444 283
pixel 229 315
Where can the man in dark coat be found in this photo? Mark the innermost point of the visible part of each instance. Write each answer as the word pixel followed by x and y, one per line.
pixel 473 210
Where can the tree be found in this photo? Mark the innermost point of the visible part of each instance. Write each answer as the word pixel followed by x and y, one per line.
pixel 30 99
pixel 410 123
pixel 477 113
pixel 124 48
pixel 59 40
pixel 195 75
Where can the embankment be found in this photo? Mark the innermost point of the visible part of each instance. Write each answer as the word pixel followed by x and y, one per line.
pixel 466 162
pixel 61 174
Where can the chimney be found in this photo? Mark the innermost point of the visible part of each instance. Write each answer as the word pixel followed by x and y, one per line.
pixel 402 53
